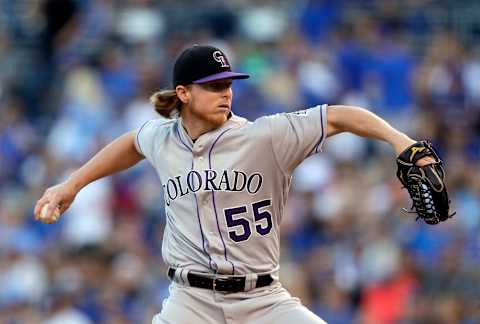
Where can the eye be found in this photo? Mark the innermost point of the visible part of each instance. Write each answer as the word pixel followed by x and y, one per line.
pixel 217 86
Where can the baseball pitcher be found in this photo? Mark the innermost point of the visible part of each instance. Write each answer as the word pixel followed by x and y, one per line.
pixel 226 181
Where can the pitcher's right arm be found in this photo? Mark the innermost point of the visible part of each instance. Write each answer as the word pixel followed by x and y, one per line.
pixel 117 156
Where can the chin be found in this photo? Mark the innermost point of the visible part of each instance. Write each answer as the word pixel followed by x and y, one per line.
pixel 217 120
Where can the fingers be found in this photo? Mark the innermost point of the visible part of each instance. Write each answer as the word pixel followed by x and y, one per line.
pixel 38 207
pixel 53 218
pixel 425 161
pixel 45 199
pixel 47 208
pixel 50 213
pixel 51 206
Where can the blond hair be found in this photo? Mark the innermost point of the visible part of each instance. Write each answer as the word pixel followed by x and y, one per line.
pixel 166 103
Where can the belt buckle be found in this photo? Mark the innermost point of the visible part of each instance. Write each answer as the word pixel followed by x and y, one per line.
pixel 229 284
pixel 219 280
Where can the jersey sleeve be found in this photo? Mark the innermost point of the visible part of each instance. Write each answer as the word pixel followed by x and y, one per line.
pixel 144 139
pixel 297 135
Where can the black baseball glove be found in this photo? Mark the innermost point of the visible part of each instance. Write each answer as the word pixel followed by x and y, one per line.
pixel 425 184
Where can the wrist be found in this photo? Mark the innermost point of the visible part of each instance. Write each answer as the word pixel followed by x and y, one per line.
pixel 401 142
pixel 75 182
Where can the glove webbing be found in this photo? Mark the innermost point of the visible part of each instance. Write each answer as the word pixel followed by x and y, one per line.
pixel 422 201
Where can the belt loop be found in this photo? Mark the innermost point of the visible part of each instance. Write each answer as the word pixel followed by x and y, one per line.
pixel 175 274
pixel 180 275
pixel 183 276
pixel 275 275
pixel 250 281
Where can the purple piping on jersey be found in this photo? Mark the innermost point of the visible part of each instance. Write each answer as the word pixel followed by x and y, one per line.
pixel 321 126
pixel 201 231
pixel 138 133
pixel 196 204
pixel 180 138
pixel 213 199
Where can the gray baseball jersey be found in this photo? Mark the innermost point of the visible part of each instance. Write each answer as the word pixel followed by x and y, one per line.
pixel 226 192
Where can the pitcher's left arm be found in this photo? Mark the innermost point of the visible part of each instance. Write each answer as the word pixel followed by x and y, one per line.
pixel 419 168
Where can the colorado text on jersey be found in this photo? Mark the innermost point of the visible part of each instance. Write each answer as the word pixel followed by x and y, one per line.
pixel 207 180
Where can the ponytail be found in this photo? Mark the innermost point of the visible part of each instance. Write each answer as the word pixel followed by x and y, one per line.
pixel 166 103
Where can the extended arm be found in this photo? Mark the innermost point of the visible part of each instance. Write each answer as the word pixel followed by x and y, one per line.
pixel 119 155
pixel 363 123
pixel 420 169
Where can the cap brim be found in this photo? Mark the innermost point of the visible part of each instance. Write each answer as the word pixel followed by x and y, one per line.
pixel 221 76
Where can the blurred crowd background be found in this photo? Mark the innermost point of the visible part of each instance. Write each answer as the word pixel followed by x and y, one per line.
pixel 74 74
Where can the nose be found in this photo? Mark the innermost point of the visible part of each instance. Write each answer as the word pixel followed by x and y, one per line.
pixel 227 93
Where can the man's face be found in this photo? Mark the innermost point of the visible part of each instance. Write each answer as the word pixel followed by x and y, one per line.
pixel 211 102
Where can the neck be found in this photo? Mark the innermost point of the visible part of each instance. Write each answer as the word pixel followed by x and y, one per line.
pixel 194 126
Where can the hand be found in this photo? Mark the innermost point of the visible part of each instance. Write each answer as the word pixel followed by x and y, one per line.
pixel 425 161
pixel 61 195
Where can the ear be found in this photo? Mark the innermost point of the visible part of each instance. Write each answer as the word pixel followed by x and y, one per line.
pixel 183 93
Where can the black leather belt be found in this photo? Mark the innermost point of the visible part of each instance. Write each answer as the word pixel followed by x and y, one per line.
pixel 227 284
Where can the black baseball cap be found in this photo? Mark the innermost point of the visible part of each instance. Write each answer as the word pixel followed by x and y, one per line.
pixel 201 64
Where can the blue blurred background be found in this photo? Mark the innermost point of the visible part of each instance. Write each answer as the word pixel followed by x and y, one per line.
pixel 74 74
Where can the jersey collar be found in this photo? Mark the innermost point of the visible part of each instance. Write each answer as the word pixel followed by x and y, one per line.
pixel 187 140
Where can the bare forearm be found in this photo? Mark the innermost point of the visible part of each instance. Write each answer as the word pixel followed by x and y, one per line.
pixel 119 155
pixel 363 123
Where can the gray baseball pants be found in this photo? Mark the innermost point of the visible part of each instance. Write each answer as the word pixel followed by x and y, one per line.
pixel 266 305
